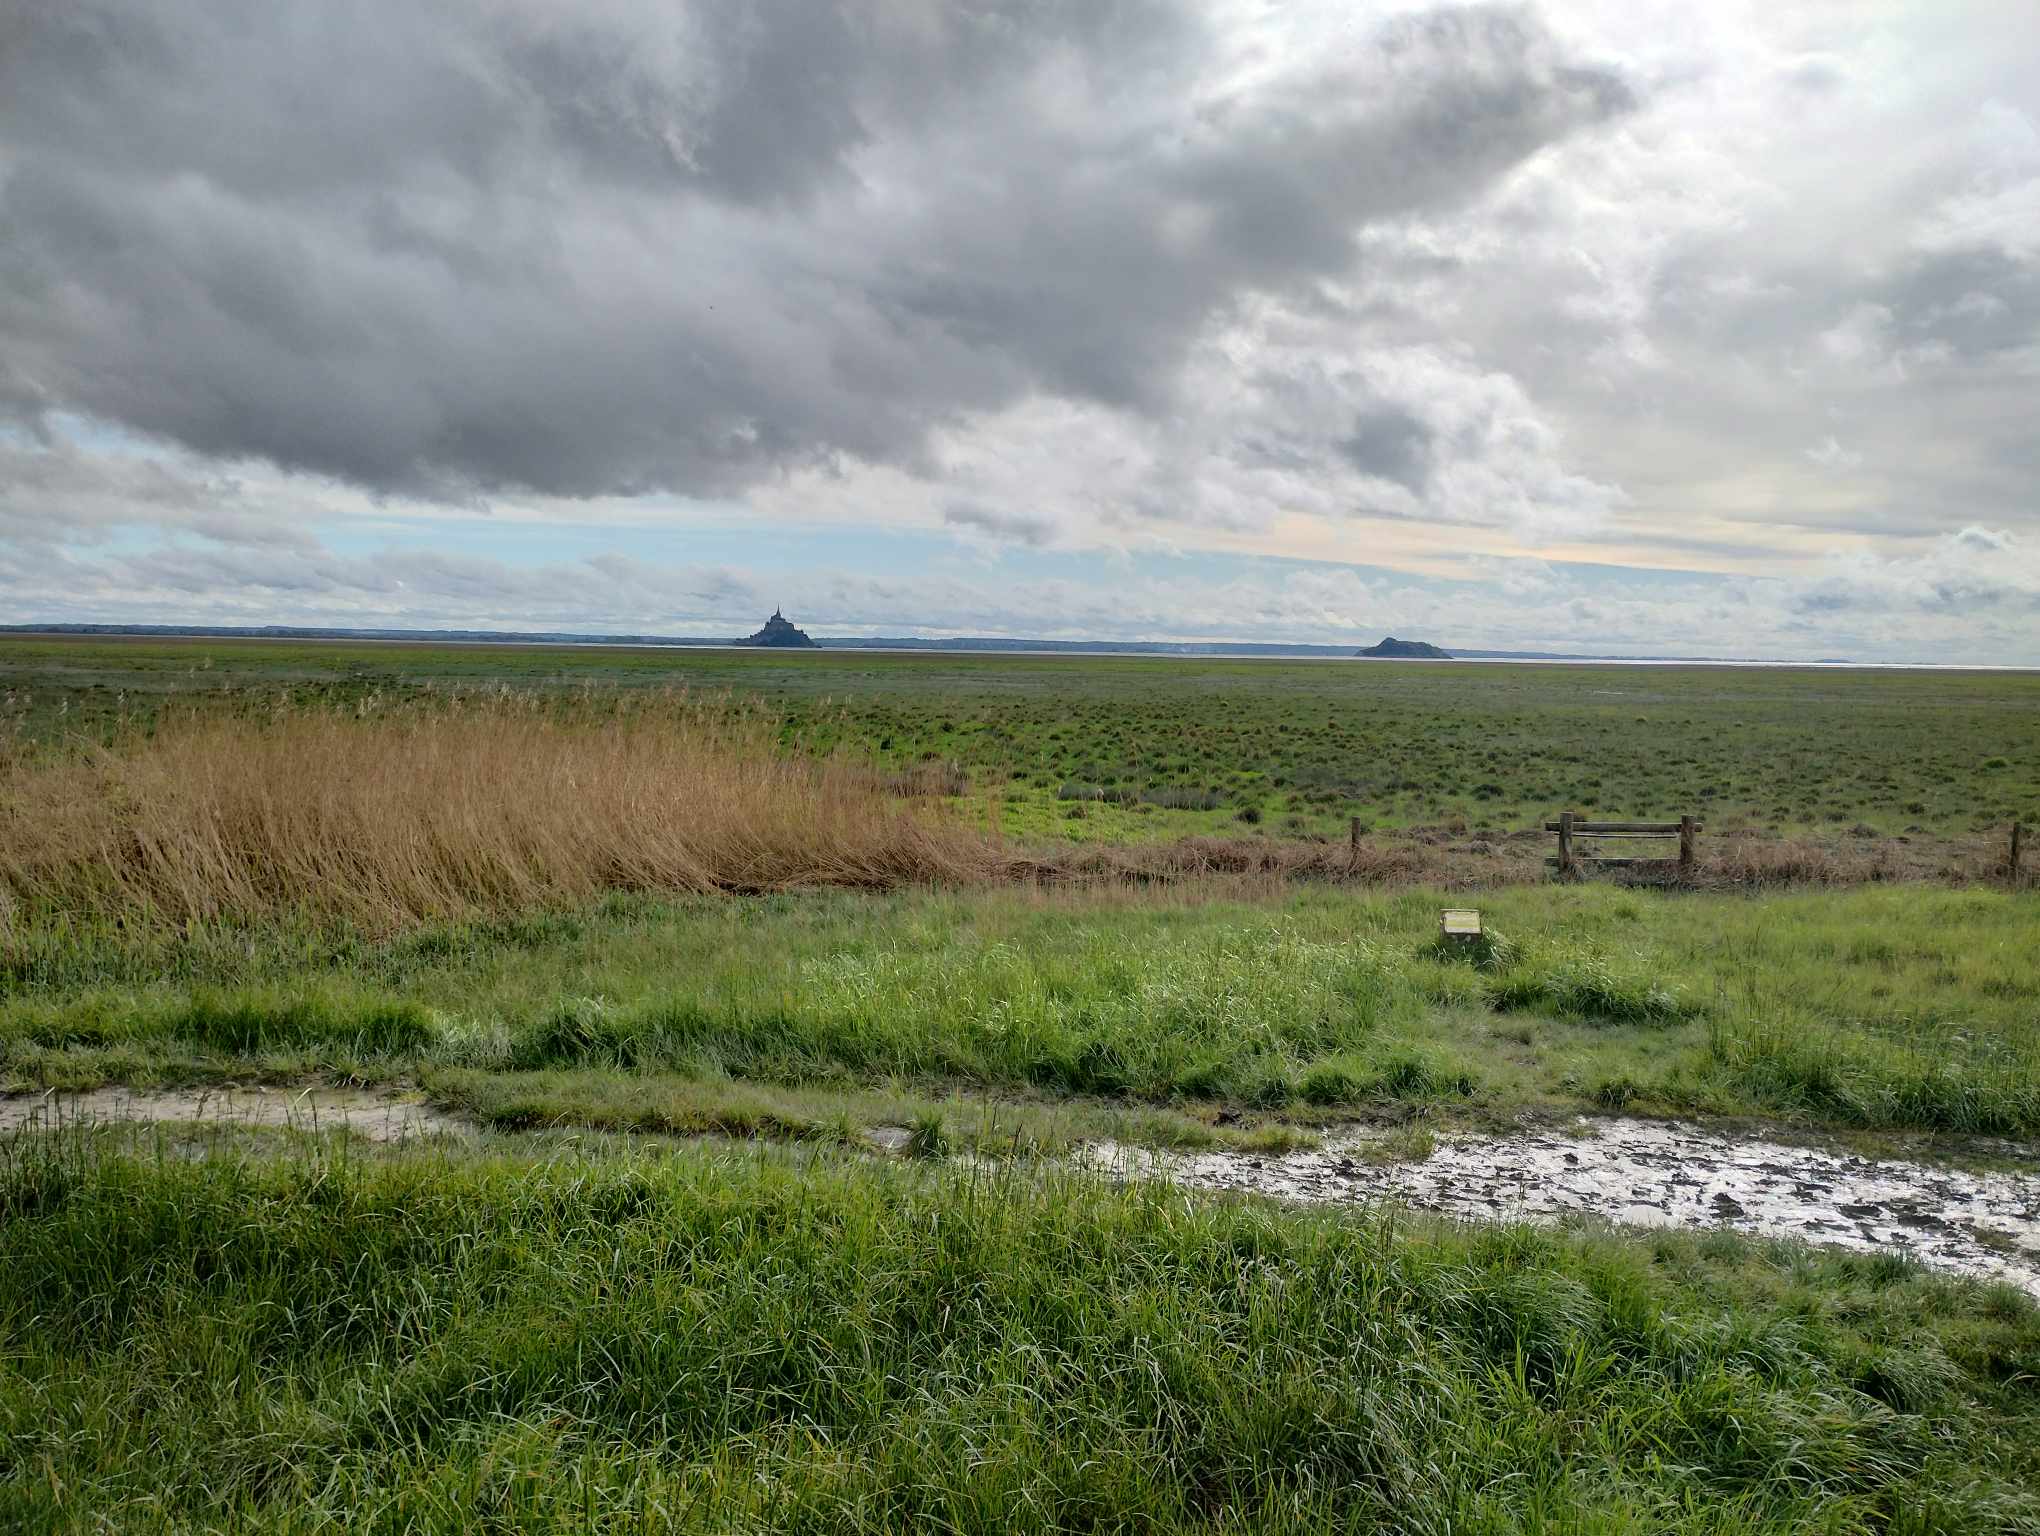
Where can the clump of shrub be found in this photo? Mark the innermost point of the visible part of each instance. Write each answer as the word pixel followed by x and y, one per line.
pixel 1347 1079
pixel 1408 1144
pixel 1794 1064
pixel 1339 1080
pixel 928 1136
pixel 1615 1092
pixel 1094 793
pixel 1588 987
pixel 1174 797
pixel 576 1031
pixel 249 1026
pixel 1166 797
pixel 1269 1085
pixel 1487 951
pixel 930 780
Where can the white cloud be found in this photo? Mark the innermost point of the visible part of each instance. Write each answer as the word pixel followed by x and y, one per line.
pixel 1751 288
pixel 1828 453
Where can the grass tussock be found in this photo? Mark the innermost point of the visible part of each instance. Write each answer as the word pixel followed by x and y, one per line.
pixel 490 805
pixel 928 781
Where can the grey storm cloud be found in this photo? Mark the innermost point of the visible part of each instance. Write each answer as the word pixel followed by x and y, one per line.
pixel 610 248
pixel 1393 445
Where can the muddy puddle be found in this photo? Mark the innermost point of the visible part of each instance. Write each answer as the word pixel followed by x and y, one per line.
pixel 1639 1172
pixel 1656 1174
pixel 377 1116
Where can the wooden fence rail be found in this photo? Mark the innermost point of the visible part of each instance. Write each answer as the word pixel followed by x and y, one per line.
pixel 1686 829
pixel 1568 826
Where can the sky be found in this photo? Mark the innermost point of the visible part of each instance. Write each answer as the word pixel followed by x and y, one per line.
pixel 1618 325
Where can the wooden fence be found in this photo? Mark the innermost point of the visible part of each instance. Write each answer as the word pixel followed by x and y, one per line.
pixel 1570 860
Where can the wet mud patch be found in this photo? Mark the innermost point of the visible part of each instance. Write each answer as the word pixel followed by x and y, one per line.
pixel 1656 1174
pixel 381 1117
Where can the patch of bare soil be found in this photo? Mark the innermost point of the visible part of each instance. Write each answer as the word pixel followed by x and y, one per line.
pixel 381 1117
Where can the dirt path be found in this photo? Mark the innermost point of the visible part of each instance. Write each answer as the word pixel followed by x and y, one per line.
pixel 1650 1173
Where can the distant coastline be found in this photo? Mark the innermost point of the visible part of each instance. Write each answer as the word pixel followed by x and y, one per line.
pixel 987 645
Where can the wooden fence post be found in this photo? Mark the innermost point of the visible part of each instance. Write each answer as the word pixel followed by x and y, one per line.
pixel 2018 838
pixel 1571 862
pixel 1353 842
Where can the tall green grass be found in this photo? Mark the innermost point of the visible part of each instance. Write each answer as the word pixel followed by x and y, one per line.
pixel 600 1342
pixel 1905 1008
pixel 1831 1074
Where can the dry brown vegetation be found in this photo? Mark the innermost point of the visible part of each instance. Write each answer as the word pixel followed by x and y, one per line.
pixel 386 817
pixel 1376 861
pixel 480 805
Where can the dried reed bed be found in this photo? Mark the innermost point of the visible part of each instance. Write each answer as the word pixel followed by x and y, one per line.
pixel 1755 861
pixel 1374 862
pixel 1750 862
pixel 389 817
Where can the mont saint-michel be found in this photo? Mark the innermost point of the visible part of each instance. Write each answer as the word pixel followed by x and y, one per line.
pixel 779 633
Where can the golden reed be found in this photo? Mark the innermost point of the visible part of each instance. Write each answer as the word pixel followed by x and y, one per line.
pixel 390 816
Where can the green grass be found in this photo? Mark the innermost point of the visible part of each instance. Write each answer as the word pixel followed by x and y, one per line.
pixel 554 1328
pixel 324 1339
pixel 935 1120
pixel 1132 748
pixel 1903 1008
